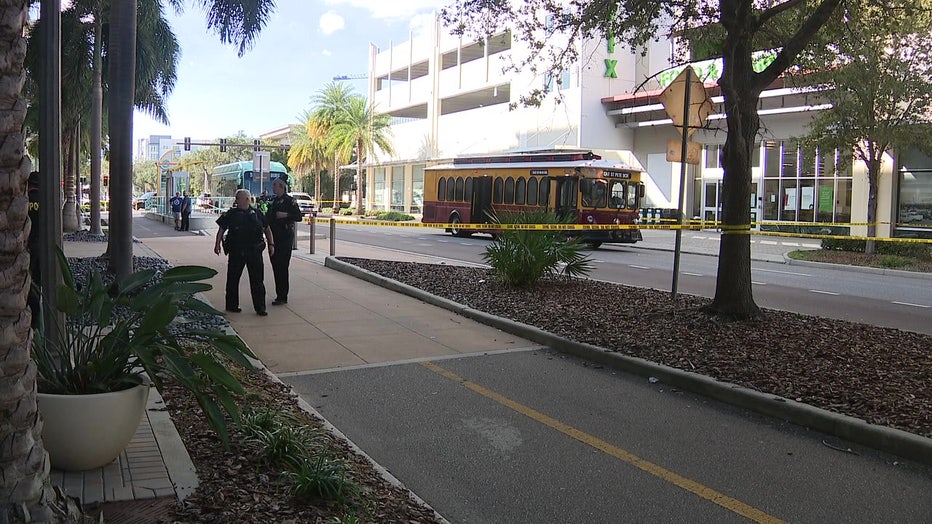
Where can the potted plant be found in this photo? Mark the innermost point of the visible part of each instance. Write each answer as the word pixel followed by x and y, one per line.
pixel 93 371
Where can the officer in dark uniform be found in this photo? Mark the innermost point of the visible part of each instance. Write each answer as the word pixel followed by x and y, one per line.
pixel 32 191
pixel 282 214
pixel 245 227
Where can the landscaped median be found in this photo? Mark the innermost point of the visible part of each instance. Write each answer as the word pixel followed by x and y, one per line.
pixel 867 384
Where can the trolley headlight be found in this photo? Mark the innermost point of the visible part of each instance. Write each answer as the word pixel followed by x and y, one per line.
pixel 590 219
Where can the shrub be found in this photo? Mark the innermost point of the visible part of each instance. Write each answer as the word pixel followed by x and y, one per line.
pixel 347 211
pixel 892 247
pixel 324 479
pixel 894 261
pixel 394 216
pixel 521 258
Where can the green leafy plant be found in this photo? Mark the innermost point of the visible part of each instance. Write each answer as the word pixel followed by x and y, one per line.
pixel 894 261
pixel 394 216
pixel 322 478
pixel 347 211
pixel 289 445
pixel 521 258
pixel 114 333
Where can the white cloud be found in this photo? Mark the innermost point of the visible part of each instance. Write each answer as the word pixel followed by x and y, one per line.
pixel 330 22
pixel 393 9
pixel 326 52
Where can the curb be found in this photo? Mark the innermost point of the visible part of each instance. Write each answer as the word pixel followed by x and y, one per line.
pixel 890 440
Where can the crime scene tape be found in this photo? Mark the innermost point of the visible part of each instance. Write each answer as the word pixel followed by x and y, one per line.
pixel 730 230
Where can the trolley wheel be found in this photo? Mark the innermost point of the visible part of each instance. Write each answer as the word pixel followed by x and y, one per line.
pixel 455 231
pixel 594 244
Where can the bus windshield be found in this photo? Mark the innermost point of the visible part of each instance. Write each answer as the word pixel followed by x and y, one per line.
pixel 624 195
pixel 593 192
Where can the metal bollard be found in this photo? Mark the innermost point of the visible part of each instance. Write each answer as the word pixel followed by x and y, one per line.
pixel 333 236
pixel 311 224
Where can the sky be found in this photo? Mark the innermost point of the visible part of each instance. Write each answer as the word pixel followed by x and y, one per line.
pixel 305 44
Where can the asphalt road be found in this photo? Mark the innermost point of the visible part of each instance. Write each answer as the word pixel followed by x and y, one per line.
pixel 536 436
pixel 884 300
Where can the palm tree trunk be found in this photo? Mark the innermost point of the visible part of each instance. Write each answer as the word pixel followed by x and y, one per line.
pixel 69 222
pixel 336 187
pixel 25 492
pixel 97 94
pixel 122 88
pixel 359 177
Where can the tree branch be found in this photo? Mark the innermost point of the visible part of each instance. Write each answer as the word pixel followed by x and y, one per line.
pixel 797 42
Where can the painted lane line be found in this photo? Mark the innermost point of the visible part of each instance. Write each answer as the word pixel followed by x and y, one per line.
pixel 701 238
pixel 638 267
pixel 660 472
pixel 768 242
pixel 781 272
pixel 911 304
pixel 691 274
pixel 759 283
pixel 794 244
pixel 823 292
pixel 816 246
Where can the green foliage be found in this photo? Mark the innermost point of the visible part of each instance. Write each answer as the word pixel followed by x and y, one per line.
pixel 347 211
pixel 894 261
pixel 284 444
pixel 892 247
pixel 322 478
pixel 393 216
pixel 112 332
pixel 521 258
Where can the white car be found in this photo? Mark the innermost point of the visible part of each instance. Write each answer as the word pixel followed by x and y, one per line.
pixel 306 203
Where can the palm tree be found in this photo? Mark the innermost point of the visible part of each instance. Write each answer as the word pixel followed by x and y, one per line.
pixel 25 491
pixel 361 128
pixel 309 149
pixel 329 102
pixel 235 21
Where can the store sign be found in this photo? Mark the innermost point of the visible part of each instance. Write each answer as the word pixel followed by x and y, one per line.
pixel 711 70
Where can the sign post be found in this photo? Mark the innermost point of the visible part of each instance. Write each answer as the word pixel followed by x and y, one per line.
pixel 260 165
pixel 689 116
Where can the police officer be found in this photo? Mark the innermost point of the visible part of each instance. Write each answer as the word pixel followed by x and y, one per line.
pixel 245 227
pixel 282 214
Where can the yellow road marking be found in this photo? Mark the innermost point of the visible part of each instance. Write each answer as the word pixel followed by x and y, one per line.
pixel 680 481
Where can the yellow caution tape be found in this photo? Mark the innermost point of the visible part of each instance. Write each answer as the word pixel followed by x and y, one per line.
pixel 729 230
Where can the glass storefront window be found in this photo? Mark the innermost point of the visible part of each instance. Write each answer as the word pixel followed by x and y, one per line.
pixel 772 199
pixel 417 189
pixel 843 200
pixel 378 196
pixel 915 198
pixel 771 159
pixel 713 157
pixel 789 196
pixel 790 164
pixel 398 188
pixel 825 200
pixel 807 198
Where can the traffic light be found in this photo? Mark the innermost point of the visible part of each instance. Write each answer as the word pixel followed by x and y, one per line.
pixel 256 145
pixel 187 143
pixel 223 145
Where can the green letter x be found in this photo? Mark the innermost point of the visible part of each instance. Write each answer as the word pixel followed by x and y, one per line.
pixel 610 68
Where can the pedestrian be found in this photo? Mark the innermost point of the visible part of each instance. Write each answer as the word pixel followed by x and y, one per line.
pixel 246 236
pixel 282 214
pixel 33 243
pixel 185 212
pixel 176 202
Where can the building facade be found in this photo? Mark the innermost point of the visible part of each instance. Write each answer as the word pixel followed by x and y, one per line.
pixel 448 96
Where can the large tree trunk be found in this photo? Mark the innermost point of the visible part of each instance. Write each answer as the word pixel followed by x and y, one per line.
pixel 122 88
pixel 69 222
pixel 873 176
pixel 733 293
pixel 97 94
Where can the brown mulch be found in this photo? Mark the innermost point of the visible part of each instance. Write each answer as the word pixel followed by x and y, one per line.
pixel 237 485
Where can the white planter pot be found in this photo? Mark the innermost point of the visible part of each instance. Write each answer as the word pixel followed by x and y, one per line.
pixel 89 431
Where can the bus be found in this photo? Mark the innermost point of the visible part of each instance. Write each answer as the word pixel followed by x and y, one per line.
pixel 574 183
pixel 227 178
